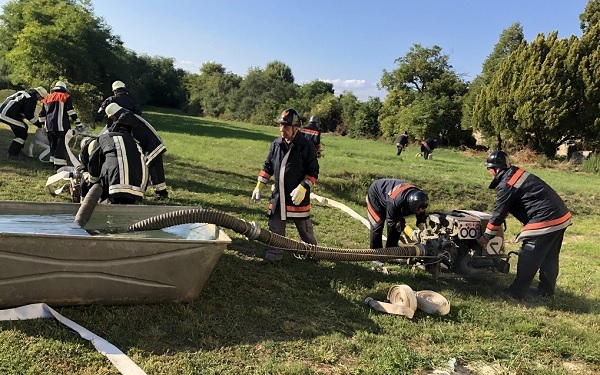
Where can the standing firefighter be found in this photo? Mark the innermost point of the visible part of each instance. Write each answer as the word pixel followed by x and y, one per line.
pixel 17 108
pixel 389 201
pixel 57 113
pixel 401 142
pixel 122 97
pixel 150 142
pixel 292 161
pixel 313 134
pixel 545 218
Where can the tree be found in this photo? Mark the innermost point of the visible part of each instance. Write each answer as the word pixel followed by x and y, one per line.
pixel 509 41
pixel 423 88
pixel 590 15
pixel 211 89
pixel 535 98
pixel 366 122
pixel 42 40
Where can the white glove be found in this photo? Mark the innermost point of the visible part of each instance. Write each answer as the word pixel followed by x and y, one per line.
pixel 256 195
pixel 298 194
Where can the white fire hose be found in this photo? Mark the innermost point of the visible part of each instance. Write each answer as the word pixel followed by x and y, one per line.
pixel 402 300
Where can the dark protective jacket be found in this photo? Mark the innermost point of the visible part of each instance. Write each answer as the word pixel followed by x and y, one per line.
pixel 19 106
pixel 402 140
pixel 290 164
pixel 387 199
pixel 144 133
pixel 58 111
pixel 429 144
pixel 313 134
pixel 123 99
pixel 530 200
pixel 117 162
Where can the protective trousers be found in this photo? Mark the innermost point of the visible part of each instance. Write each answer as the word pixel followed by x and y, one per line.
pixel 539 253
pixel 58 148
pixel 156 170
pixel 276 225
pixel 20 136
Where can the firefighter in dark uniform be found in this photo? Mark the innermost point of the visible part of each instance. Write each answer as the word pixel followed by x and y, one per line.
pixel 545 218
pixel 389 201
pixel 401 142
pixel 16 108
pixel 122 97
pixel 292 161
pixel 116 161
pixel 57 114
pixel 427 147
pixel 313 134
pixel 150 142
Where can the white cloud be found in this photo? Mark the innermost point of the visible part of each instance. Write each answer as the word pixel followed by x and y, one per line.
pixel 346 83
pixel 190 66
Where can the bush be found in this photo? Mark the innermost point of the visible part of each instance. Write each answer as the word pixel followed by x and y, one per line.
pixel 591 164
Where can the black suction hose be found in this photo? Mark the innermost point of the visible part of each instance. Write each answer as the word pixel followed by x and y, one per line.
pixel 252 231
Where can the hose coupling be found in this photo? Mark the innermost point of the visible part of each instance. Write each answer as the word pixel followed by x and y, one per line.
pixel 253 232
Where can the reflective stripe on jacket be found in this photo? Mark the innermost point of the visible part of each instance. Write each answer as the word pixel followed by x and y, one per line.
pixel 530 200
pixel 290 165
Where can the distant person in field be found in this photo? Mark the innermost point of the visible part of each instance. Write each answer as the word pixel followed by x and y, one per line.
pixel 545 218
pixel 292 161
pixel 150 142
pixel 401 142
pixel 17 108
pixel 389 201
pixel 312 133
pixel 427 147
pixel 122 97
pixel 115 161
pixel 57 114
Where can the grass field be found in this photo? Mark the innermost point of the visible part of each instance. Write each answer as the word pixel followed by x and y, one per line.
pixel 308 318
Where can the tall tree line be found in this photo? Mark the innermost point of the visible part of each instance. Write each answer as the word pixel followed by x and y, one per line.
pixel 537 94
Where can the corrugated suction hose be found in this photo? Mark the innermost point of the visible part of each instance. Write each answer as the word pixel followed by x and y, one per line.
pixel 252 231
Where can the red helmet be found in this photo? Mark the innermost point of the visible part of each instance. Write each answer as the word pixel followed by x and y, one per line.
pixel 289 117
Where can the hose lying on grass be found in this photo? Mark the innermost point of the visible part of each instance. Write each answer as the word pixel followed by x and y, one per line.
pixel 253 231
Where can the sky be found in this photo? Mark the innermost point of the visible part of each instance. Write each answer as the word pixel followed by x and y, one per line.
pixel 346 42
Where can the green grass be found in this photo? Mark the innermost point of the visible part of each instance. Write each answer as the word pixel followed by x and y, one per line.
pixel 307 318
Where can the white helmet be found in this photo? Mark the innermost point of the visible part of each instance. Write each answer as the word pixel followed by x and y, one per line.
pixel 60 84
pixel 42 91
pixel 313 119
pixel 112 109
pixel 118 85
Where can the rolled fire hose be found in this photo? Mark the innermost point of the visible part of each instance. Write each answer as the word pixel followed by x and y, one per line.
pixel 404 301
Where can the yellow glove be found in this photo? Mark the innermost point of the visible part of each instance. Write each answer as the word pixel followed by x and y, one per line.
pixel 257 193
pixel 298 194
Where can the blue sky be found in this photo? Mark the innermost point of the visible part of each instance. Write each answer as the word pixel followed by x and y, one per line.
pixel 346 42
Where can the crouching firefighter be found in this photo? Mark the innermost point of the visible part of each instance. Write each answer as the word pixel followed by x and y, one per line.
pixel 116 162
pixel 151 144
pixel 389 201
pixel 17 108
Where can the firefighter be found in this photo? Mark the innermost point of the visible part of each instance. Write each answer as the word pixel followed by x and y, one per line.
pixel 57 114
pixel 427 147
pixel 122 97
pixel 292 161
pixel 545 218
pixel 312 133
pixel 150 142
pixel 389 201
pixel 17 108
pixel 115 161
pixel 401 142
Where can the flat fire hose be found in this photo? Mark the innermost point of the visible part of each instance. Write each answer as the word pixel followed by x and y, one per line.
pixel 40 310
pixel 404 301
